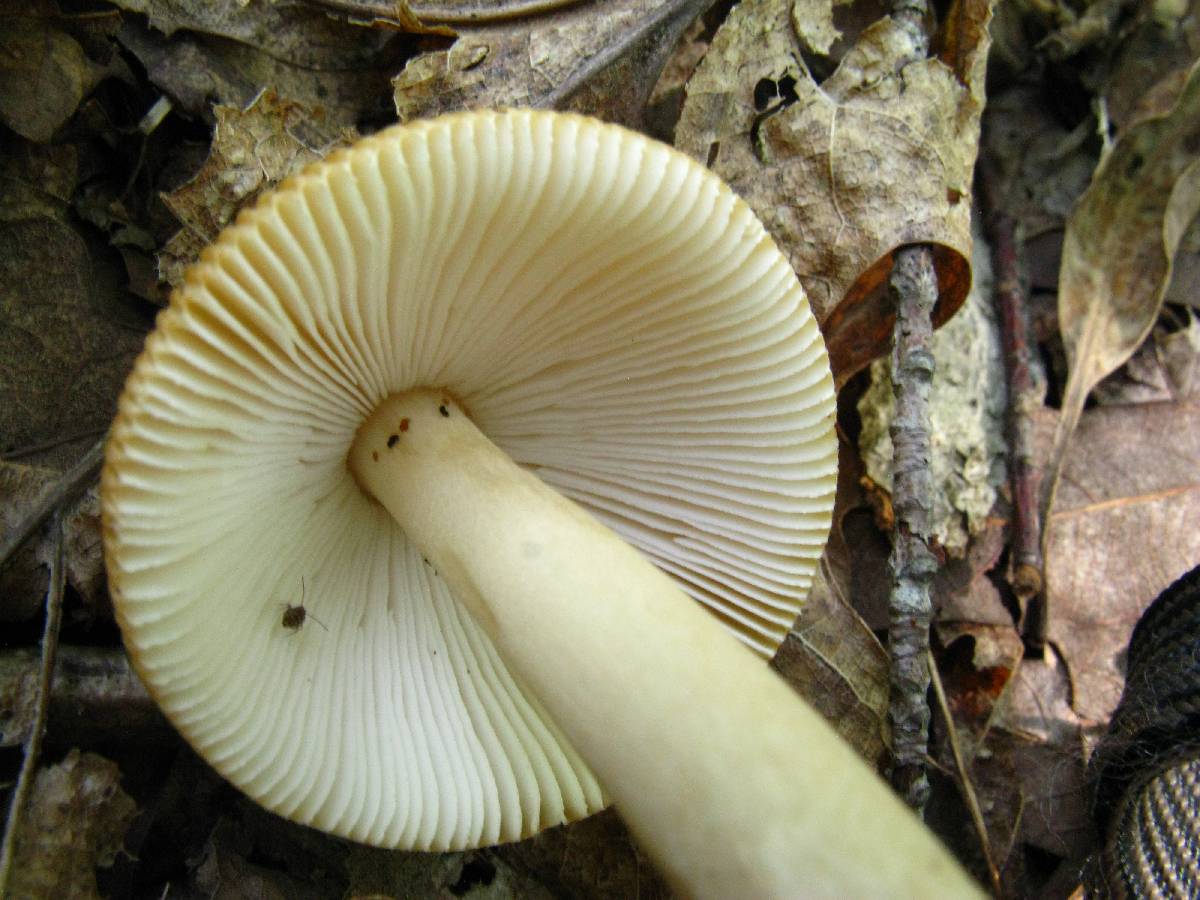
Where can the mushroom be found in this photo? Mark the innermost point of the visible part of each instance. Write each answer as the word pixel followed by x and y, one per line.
pixel 538 413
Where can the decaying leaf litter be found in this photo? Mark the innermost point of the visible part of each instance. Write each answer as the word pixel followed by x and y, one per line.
pixel 154 122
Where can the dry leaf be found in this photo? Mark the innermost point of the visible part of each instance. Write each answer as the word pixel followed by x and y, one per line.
pixel 1042 166
pixel 1025 756
pixel 303 36
pixel 1165 368
pixel 963 594
pixel 976 667
pixel 253 149
pixel 595 857
pixel 75 820
pixel 1118 249
pixel 66 339
pixel 831 656
pixel 225 872
pixel 1179 354
pixel 836 663
pixel 878 155
pixel 1185 273
pixel 1032 777
pixel 44 73
pixel 23 581
pixel 1163 37
pixel 344 86
pixel 1124 527
pixel 599 58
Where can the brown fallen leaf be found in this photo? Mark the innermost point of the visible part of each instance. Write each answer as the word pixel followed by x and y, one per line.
pixel 837 664
pixel 253 149
pixel 1179 354
pixel 831 656
pixel 67 340
pixel 224 871
pixel 1042 168
pixel 23 582
pixel 1185 273
pixel 1161 38
pixel 75 820
pixel 302 35
pixel 1123 528
pixel 345 85
pixel 976 667
pixel 600 58
pixel 595 857
pixel 44 73
pixel 1165 368
pixel 1118 250
pixel 1035 762
pixel 877 155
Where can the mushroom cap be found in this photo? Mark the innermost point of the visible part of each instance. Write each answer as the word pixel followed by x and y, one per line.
pixel 609 313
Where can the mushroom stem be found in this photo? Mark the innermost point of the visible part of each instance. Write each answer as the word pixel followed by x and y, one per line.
pixel 736 787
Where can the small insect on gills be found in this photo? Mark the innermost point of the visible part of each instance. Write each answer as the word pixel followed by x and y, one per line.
pixel 294 617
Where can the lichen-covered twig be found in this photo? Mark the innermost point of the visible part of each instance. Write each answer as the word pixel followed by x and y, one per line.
pixel 913 287
pixel 33 742
pixel 66 488
pixel 1024 395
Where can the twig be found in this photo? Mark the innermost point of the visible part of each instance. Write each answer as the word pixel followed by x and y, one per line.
pixel 1024 395
pixel 30 449
pixel 95 698
pixel 913 286
pixel 70 485
pixel 33 741
pixel 964 780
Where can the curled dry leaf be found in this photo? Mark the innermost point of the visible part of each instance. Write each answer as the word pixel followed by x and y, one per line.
pixel 1118 251
pixel 1122 530
pixel 878 155
pixel 75 820
pixel 599 58
pixel 253 149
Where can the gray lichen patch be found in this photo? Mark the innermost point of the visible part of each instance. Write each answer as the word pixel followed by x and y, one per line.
pixel 968 402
